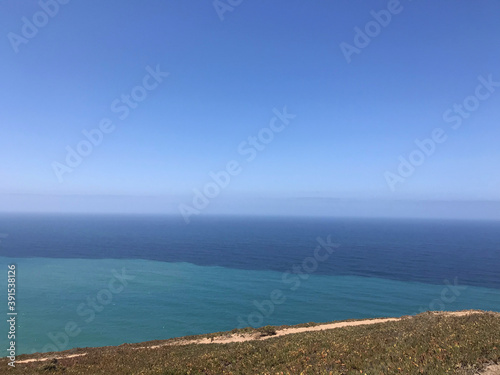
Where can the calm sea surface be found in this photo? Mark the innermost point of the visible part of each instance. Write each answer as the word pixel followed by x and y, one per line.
pixel 104 280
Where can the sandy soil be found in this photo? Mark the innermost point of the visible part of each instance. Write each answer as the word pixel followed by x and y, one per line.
pixel 285 331
pixel 490 370
pixel 51 358
pixel 288 331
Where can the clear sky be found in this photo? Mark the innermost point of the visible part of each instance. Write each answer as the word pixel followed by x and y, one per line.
pixel 356 104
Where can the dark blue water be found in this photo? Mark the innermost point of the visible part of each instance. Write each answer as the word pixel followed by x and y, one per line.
pixel 219 273
pixel 407 250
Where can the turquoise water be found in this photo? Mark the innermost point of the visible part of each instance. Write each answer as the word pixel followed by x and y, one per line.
pixel 96 280
pixel 165 300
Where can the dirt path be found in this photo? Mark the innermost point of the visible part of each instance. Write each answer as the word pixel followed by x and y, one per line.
pixel 51 358
pixel 490 370
pixel 288 331
pixel 256 336
pixel 283 332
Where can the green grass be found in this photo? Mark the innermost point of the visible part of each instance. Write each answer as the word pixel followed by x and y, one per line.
pixel 425 344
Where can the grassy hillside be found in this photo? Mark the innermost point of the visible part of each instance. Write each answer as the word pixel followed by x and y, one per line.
pixel 428 343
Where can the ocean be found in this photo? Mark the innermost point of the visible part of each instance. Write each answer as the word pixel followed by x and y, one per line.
pixel 97 280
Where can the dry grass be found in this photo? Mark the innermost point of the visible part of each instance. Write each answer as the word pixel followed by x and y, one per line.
pixel 428 343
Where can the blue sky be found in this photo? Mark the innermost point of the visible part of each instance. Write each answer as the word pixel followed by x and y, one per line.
pixel 353 120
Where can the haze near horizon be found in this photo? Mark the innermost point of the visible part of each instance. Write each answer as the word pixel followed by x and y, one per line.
pixel 387 109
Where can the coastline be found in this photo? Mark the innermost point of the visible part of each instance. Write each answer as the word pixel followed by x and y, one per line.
pixel 215 340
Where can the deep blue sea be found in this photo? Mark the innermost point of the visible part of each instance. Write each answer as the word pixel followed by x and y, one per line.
pixel 99 280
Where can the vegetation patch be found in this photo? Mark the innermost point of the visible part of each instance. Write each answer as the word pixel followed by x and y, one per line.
pixel 267 331
pixel 429 343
